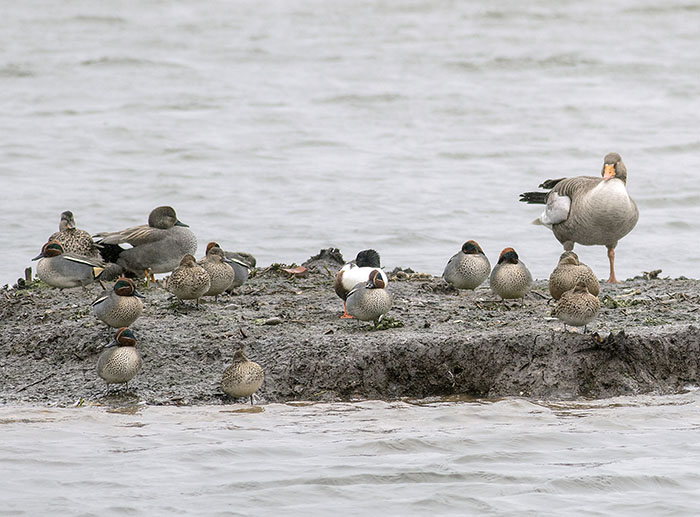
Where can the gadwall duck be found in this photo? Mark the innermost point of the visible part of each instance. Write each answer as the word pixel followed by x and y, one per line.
pixel 243 378
pixel 158 246
pixel 369 301
pixel 121 306
pixel 189 281
pixel 469 268
pixel 356 272
pixel 221 273
pixel 589 210
pixel 120 361
pixel 577 307
pixel 569 272
pixel 60 269
pixel 74 240
pixel 510 278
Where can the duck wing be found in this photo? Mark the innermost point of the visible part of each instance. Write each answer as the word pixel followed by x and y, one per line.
pixel 136 236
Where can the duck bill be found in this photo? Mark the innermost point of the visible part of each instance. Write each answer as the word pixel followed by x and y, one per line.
pixel 608 172
pixel 180 223
pixel 139 295
pixel 40 255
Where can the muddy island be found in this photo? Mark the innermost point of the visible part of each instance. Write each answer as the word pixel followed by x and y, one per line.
pixel 439 342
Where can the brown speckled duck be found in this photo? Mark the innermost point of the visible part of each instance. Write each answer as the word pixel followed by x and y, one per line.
pixel 510 278
pixel 569 272
pixel 369 301
pixel 189 281
pixel 243 378
pixel 121 306
pixel 577 307
pixel 120 361
pixel 469 268
pixel 221 273
pixel 589 210
pixel 74 240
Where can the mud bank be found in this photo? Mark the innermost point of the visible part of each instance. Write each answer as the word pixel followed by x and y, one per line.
pixel 646 339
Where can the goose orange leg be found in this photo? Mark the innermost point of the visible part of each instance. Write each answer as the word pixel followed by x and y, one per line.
pixel 611 258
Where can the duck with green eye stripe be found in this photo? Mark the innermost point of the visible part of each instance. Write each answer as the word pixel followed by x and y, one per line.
pixel 121 306
pixel 120 361
pixel 60 269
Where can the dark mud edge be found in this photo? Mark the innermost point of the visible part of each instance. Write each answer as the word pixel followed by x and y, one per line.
pixel 646 340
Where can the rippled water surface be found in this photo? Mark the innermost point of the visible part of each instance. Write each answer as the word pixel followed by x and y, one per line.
pixel 615 457
pixel 282 127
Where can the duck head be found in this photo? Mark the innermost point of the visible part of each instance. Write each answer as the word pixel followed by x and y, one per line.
pixel 569 257
pixel 367 258
pixel 216 254
pixel 50 249
pixel 126 287
pixel 164 217
pixel 67 221
pixel 125 337
pixel 581 287
pixel 376 281
pixel 508 255
pixel 188 261
pixel 239 356
pixel 471 248
pixel 212 245
pixel 613 167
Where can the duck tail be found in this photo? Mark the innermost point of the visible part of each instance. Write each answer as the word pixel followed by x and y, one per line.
pixel 534 198
pixel 110 252
pixel 97 271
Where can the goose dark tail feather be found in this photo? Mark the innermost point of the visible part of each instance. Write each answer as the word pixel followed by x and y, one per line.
pixel 534 198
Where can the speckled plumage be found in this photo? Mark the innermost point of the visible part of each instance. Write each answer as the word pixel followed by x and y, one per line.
pixel 577 306
pixel 510 278
pixel 74 240
pixel 120 361
pixel 221 274
pixel 570 272
pixel 370 301
pixel 158 246
pixel 121 306
pixel 242 378
pixel 59 269
pixel 189 281
pixel 469 268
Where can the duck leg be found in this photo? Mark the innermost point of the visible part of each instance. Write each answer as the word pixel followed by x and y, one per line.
pixel 345 311
pixel 611 258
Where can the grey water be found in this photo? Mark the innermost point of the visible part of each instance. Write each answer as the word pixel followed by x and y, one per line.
pixel 283 127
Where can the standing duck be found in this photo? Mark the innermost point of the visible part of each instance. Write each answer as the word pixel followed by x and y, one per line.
pixel 121 307
pixel 120 361
pixel 189 281
pixel 60 269
pixel 510 278
pixel 370 301
pixel 158 246
pixel 570 272
pixel 243 378
pixel 469 268
pixel 577 306
pixel 355 272
pixel 589 210
pixel 74 240
pixel 221 273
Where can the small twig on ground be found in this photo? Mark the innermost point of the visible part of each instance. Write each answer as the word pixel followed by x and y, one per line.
pixel 35 383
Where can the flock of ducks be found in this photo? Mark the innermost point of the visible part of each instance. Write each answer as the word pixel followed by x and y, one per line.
pixel 584 209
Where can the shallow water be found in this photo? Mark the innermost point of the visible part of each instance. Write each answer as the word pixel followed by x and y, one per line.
pixel 611 457
pixel 283 127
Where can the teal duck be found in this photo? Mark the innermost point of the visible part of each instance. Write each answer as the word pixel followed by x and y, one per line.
pixel 120 361
pixel 121 306
pixel 73 239
pixel 357 272
pixel 469 268
pixel 243 378
pixel 569 272
pixel 60 269
pixel 189 281
pixel 369 301
pixel 510 278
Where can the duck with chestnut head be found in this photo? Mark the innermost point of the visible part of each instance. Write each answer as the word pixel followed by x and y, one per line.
pixel 355 272
pixel 120 361
pixel 469 268
pixel 589 210
pixel 121 306
pixel 510 278
pixel 220 269
pixel 60 269
pixel 370 301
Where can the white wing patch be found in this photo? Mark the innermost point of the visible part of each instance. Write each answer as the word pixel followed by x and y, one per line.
pixel 557 209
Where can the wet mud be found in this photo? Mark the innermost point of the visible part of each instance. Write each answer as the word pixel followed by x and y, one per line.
pixel 440 343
